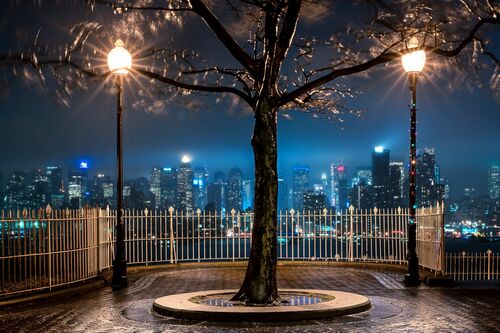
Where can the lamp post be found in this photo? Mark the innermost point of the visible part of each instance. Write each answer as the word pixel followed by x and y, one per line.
pixel 413 63
pixel 119 62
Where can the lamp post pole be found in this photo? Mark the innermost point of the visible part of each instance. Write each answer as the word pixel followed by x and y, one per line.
pixel 119 62
pixel 412 278
pixel 120 264
pixel 413 63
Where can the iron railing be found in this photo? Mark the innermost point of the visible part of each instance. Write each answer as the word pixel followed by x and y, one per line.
pixel 42 249
pixel 473 266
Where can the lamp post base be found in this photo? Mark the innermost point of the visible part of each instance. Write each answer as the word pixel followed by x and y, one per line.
pixel 119 280
pixel 411 280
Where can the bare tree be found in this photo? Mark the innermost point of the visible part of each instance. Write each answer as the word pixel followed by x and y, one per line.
pixel 275 63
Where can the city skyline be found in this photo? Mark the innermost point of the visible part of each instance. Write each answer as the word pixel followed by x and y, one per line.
pixel 315 173
pixel 303 139
pixel 188 187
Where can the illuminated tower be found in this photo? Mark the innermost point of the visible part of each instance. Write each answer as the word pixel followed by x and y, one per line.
pixel 494 180
pixel 300 185
pixel 396 184
pixel 185 186
pixel 15 191
pixel 154 186
pixel 168 188
pixel 200 188
pixel 56 186
pixel 234 196
pixel 77 186
pixel 248 189
pixel 427 187
pixel 338 186
pixel 381 176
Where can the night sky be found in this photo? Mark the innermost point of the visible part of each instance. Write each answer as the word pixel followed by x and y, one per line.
pixel 462 126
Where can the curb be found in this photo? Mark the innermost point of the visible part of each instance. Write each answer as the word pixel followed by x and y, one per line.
pixel 179 306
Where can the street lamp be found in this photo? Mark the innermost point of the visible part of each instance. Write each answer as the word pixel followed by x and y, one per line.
pixel 119 63
pixel 413 63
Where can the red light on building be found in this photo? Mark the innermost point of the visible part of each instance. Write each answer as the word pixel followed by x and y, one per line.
pixel 340 168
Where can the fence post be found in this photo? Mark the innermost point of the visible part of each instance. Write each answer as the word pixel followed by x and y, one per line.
pixel 171 212
pixel 351 233
pixel 98 238
pixel 441 239
pixel 198 212
pixel 489 262
pixel 48 210
pixel 292 211
pixel 233 211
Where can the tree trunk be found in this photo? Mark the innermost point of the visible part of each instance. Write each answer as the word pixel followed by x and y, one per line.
pixel 259 285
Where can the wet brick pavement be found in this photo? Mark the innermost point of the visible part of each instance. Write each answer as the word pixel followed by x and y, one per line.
pixel 395 308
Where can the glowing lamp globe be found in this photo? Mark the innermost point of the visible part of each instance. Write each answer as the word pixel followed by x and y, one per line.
pixel 413 61
pixel 119 60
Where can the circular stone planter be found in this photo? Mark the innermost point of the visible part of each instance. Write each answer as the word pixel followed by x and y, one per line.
pixel 195 306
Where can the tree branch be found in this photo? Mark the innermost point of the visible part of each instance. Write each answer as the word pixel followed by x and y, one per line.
pixel 380 59
pixel 467 40
pixel 215 25
pixel 288 31
pixel 188 86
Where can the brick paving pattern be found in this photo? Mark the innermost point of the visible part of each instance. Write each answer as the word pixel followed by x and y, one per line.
pixel 395 308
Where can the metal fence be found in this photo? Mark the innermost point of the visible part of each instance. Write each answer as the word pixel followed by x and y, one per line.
pixel 473 266
pixel 42 249
pixel 430 238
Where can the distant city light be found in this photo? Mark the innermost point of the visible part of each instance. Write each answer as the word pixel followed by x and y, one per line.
pixel 186 159
pixel 379 149
pixel 340 168
pixel 167 169
pixel 84 165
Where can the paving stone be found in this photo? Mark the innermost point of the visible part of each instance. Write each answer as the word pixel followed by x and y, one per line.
pixel 395 308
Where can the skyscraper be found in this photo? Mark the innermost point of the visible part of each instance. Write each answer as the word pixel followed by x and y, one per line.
pixel 77 186
pixel 248 189
pixel 282 195
pixel 155 186
pixel 314 202
pixel 39 189
pixel 168 188
pixel 446 188
pixel 364 174
pixel 15 191
pixel 200 188
pixel 102 193
pixel 361 194
pixel 300 185
pixel 216 193
pixel 56 186
pixel 396 184
pixel 338 186
pixel 185 186
pixel 380 175
pixel 427 188
pixel 494 180
pixel 234 196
